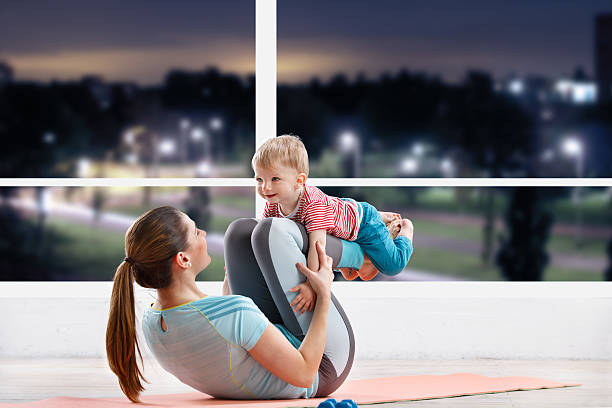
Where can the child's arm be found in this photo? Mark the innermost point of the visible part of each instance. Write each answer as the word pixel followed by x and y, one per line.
pixel 306 298
pixel 225 289
pixel 313 237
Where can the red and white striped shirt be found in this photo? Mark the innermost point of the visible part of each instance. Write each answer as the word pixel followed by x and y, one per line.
pixel 318 211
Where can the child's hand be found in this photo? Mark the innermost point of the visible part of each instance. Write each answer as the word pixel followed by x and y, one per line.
pixel 305 300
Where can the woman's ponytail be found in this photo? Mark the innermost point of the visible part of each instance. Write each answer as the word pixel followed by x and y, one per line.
pixel 121 341
pixel 151 242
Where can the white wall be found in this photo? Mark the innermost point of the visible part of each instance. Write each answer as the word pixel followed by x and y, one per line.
pixel 391 320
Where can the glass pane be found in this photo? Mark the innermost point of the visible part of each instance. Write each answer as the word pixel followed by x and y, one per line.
pixel 447 89
pixel 489 234
pixel 77 233
pixel 459 233
pixel 115 89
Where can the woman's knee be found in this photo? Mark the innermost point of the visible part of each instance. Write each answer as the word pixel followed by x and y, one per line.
pixel 239 229
pixel 278 229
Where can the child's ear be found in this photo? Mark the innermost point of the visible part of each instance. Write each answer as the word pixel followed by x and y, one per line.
pixel 301 178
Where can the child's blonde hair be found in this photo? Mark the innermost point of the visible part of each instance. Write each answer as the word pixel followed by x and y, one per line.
pixel 285 150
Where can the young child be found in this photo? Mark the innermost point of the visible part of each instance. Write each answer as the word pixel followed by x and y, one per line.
pixel 281 171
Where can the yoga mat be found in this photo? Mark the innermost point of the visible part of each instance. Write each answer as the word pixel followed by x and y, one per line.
pixel 367 391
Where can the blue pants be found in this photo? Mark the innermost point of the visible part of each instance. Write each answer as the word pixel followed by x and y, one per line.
pixel 388 255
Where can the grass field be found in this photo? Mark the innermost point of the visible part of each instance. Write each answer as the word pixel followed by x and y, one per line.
pixel 94 255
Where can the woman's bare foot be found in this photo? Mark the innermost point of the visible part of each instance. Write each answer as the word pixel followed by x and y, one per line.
pixel 387 217
pixel 407 229
pixel 368 271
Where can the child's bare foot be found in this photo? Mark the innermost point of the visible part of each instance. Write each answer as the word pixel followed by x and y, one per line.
pixel 368 271
pixel 387 217
pixel 407 229
pixel 394 228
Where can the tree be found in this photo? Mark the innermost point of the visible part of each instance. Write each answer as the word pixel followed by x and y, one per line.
pixel 197 206
pixel 522 255
pixel 493 132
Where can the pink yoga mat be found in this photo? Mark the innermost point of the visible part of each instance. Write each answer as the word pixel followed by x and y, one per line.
pixel 362 391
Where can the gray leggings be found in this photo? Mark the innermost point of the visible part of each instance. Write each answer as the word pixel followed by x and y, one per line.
pixel 260 257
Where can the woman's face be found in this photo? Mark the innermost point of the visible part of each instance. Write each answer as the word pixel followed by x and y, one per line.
pixel 197 247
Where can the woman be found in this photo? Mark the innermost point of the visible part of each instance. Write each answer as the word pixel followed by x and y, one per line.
pixel 225 346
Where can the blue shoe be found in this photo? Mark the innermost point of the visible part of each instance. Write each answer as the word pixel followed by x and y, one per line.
pixel 328 403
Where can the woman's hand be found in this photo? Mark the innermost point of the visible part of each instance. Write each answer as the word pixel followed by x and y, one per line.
pixel 319 280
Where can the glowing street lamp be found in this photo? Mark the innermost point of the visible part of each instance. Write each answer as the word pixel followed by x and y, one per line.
pixel 410 165
pixel 516 86
pixel 83 167
pixel 197 134
pixel 572 146
pixel 184 124
pixel 49 137
pixel 131 158
pixel 547 155
pixel 418 149
pixel 203 168
pixel 167 147
pixel 129 137
pixel 349 143
pixel 216 124
pixel 447 167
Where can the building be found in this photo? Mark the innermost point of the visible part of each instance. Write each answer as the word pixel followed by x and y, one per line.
pixel 603 56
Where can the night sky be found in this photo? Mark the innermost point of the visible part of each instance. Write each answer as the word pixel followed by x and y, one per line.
pixel 140 41
pixel 126 40
pixel 444 37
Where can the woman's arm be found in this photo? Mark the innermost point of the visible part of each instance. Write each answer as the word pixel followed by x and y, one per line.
pixel 274 352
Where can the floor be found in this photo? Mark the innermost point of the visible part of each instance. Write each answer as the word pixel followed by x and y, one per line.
pixel 23 380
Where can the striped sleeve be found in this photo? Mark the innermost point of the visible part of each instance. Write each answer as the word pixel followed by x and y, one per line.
pixel 319 216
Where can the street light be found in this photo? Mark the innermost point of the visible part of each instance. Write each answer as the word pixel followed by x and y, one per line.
pixel 49 137
pixel 349 143
pixel 131 158
pixel 129 137
pixel 216 124
pixel 516 86
pixel 447 167
pixel 410 165
pixel 83 167
pixel 184 124
pixel 203 168
pixel 197 133
pixel 167 147
pixel 418 149
pixel 547 155
pixel 572 147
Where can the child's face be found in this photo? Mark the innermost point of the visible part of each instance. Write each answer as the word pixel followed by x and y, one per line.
pixel 279 184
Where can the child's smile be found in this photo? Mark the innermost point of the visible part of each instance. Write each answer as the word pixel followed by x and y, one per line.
pixel 278 185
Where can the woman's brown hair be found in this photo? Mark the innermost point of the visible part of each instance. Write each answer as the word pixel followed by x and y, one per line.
pixel 150 246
